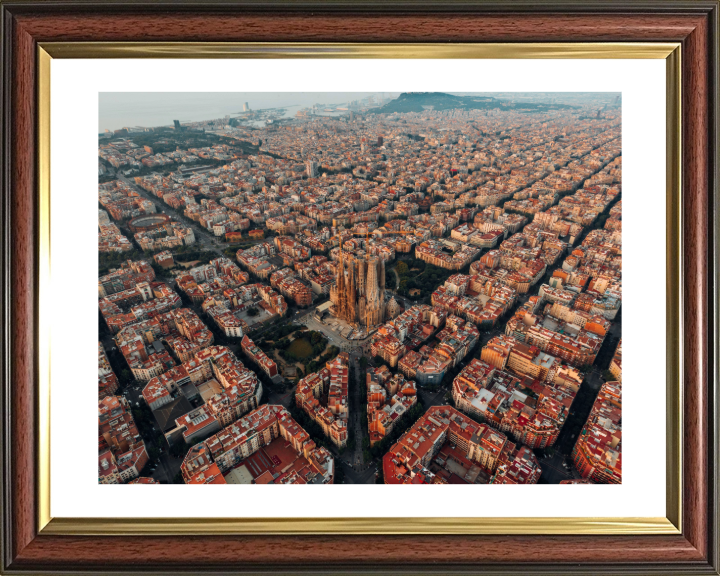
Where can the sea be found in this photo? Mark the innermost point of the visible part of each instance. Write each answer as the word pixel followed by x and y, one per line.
pixel 150 109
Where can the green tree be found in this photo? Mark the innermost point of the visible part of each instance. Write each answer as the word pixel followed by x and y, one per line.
pixel 339 475
pixel 179 449
pixel 608 376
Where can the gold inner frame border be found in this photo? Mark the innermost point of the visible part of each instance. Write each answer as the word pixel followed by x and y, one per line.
pixel 671 524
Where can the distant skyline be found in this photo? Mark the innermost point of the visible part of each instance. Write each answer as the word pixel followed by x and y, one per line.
pixel 120 109
pixel 149 109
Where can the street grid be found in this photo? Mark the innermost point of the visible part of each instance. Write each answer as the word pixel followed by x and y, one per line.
pixel 556 463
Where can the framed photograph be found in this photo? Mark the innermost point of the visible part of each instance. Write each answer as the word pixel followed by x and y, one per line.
pixel 371 248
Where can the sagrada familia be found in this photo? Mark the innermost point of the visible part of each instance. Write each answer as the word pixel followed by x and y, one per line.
pixel 358 295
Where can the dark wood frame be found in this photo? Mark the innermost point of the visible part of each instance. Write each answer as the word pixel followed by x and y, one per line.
pixel 694 24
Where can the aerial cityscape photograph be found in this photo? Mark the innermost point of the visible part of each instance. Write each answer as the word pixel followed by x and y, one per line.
pixel 360 288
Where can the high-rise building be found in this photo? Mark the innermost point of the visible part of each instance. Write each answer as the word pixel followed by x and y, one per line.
pixel 311 167
pixel 246 107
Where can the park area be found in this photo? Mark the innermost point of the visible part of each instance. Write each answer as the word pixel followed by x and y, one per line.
pixel 300 348
pixel 418 279
pixel 309 348
pixel 297 350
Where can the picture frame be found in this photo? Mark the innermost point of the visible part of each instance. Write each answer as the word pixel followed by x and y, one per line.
pixel 684 34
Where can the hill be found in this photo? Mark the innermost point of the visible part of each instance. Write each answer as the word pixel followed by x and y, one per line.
pixel 420 101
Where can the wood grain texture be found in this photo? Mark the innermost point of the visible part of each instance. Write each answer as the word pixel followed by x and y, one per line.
pixel 388 551
pixel 357 28
pixel 696 309
pixel 23 296
pixel 690 552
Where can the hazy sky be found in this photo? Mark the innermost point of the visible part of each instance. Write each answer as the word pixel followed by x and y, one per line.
pixel 119 109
